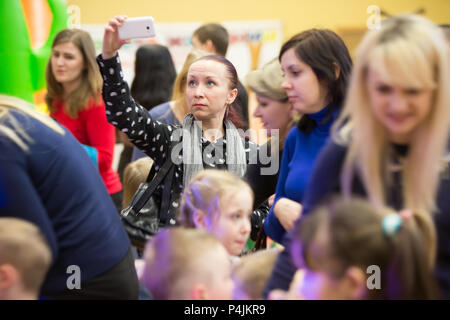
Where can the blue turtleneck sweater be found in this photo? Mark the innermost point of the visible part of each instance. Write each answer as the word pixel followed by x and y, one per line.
pixel 299 156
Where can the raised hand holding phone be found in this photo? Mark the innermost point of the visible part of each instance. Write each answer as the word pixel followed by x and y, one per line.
pixel 140 27
pixel 121 28
pixel 111 39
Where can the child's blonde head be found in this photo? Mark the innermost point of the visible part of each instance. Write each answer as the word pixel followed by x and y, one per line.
pixel 186 264
pixel 251 273
pixel 135 173
pixel 205 192
pixel 23 246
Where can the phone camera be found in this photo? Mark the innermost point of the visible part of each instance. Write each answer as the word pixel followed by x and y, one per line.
pixel 148 28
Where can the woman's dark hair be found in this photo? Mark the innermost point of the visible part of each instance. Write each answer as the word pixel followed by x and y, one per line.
pixel 154 76
pixel 322 49
pixel 231 115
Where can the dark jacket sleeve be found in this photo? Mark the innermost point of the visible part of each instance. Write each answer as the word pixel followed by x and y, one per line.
pixel 149 135
pixel 262 174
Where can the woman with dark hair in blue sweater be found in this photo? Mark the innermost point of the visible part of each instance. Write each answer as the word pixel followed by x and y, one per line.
pixel 316 65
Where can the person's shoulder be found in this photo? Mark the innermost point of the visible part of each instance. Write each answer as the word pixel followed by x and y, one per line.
pixel 293 135
pixel 94 104
pixel 160 108
pixel 161 112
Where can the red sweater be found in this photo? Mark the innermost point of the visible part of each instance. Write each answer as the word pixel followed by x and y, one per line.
pixel 92 129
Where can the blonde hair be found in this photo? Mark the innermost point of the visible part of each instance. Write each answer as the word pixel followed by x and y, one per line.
pixel 205 194
pixel 17 134
pixel 409 51
pixel 91 83
pixel 135 173
pixel 174 260
pixel 179 86
pixel 251 272
pixel 23 246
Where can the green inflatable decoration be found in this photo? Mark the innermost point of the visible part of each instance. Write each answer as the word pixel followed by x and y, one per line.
pixel 22 68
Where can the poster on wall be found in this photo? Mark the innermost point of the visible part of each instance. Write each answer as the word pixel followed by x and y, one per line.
pixel 252 43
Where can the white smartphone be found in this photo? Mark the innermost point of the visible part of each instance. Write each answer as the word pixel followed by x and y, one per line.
pixel 141 27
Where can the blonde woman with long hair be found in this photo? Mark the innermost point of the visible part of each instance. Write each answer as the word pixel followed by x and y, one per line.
pixel 390 143
pixel 50 181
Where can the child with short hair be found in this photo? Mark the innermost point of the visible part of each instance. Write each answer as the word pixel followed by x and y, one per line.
pixel 251 273
pixel 187 264
pixel 25 258
pixel 350 250
pixel 220 203
pixel 135 173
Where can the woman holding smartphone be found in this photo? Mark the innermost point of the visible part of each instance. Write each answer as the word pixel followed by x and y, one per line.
pixel 208 139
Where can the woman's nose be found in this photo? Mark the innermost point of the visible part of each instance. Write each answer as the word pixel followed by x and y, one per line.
pixel 398 102
pixel 285 84
pixel 257 112
pixel 198 91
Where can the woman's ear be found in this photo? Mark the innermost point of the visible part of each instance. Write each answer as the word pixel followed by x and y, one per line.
pixel 355 283
pixel 337 70
pixel 199 220
pixel 232 96
pixel 209 47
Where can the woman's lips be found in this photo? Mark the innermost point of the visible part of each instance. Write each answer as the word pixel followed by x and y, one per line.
pixel 398 119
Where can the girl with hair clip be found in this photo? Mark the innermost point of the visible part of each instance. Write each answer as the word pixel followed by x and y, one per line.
pixel 207 139
pixel 74 100
pixel 391 142
pixel 316 66
pixel 220 203
pixel 174 111
pixel 347 250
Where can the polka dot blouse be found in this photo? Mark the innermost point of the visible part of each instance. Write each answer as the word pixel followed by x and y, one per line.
pixel 154 137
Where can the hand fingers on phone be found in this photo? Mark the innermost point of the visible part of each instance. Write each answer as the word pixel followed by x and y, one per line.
pixel 114 24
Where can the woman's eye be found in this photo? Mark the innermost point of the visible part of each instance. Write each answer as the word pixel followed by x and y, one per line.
pixel 383 89
pixel 412 91
pixel 211 83
pixel 191 83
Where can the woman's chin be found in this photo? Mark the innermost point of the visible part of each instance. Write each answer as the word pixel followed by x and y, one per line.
pixel 200 115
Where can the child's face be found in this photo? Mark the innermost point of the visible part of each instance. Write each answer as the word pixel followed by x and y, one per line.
pixel 232 226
